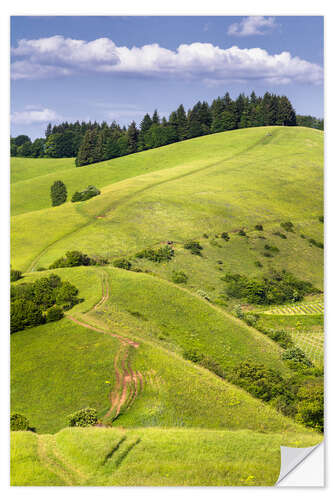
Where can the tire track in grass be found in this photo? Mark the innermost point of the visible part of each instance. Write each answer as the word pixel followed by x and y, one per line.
pixel 46 456
pixel 126 388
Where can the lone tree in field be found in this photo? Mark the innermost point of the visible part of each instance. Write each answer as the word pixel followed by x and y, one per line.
pixel 58 193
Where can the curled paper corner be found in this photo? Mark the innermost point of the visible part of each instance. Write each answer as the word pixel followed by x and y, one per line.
pixel 292 458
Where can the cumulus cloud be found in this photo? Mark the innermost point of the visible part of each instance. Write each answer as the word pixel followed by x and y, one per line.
pixel 32 114
pixel 253 25
pixel 59 56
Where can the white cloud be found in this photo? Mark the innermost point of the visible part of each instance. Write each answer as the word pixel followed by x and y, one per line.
pixel 34 115
pixel 59 56
pixel 253 25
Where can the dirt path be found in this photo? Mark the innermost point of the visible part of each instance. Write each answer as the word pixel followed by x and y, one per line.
pixel 128 383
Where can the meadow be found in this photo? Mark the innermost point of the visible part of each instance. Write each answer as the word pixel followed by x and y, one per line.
pixel 150 457
pixel 129 348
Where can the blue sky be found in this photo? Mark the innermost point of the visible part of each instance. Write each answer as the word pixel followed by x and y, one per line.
pixel 105 68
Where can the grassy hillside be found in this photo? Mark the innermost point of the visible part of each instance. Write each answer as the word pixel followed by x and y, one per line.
pixel 68 365
pixel 277 177
pixel 22 169
pixel 125 348
pixel 149 457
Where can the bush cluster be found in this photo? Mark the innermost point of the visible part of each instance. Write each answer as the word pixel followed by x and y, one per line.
pixel 287 226
pixel 271 248
pixel 275 288
pixel 241 232
pixel 258 227
pixel 161 254
pixel 83 418
pixel 86 194
pixel 32 304
pixel 18 422
pixel 205 361
pixel 193 246
pixel 225 236
pixel 122 263
pixel 263 383
pixel 15 275
pixel 318 244
pixel 281 235
pixel 179 277
pixel 73 258
pixel 296 358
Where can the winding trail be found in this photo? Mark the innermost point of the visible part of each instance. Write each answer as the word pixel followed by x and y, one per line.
pixel 128 383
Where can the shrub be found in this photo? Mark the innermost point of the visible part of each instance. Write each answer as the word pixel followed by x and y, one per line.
pixel 263 383
pixel 122 263
pixel 66 295
pixel 54 314
pixel 161 254
pixel 193 246
pixel 179 277
pixel 24 313
pixel 258 227
pixel 205 235
pixel 310 407
pixel 271 248
pixel 281 337
pixel 316 243
pixel 41 269
pixel 192 355
pixel 321 218
pixel 86 194
pixel 15 275
pixel 29 301
pixel 58 193
pixel 281 235
pixel 73 258
pixel 18 422
pixel 274 288
pixel 287 226
pixel 219 262
pixel 238 311
pixel 303 236
pixel 225 236
pixel 296 358
pixel 251 319
pixel 241 232
pixel 267 254
pixel 203 294
pixel 258 263
pixel 76 197
pixel 83 418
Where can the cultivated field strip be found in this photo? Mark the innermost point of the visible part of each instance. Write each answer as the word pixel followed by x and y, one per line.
pixel 306 308
pixel 312 343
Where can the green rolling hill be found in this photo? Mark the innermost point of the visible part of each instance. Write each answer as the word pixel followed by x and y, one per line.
pixel 124 349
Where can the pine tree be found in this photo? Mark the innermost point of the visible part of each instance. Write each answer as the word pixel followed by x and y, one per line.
pixel 182 130
pixel 58 193
pixel 156 118
pixel 132 136
pixel 145 125
pixel 48 130
pixel 286 114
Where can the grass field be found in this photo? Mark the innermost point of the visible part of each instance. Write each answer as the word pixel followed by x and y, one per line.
pixel 174 392
pixel 57 369
pixel 188 196
pixel 122 349
pixel 150 457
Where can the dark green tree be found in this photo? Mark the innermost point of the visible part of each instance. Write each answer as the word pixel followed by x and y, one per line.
pixel 58 193
pixel 132 137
